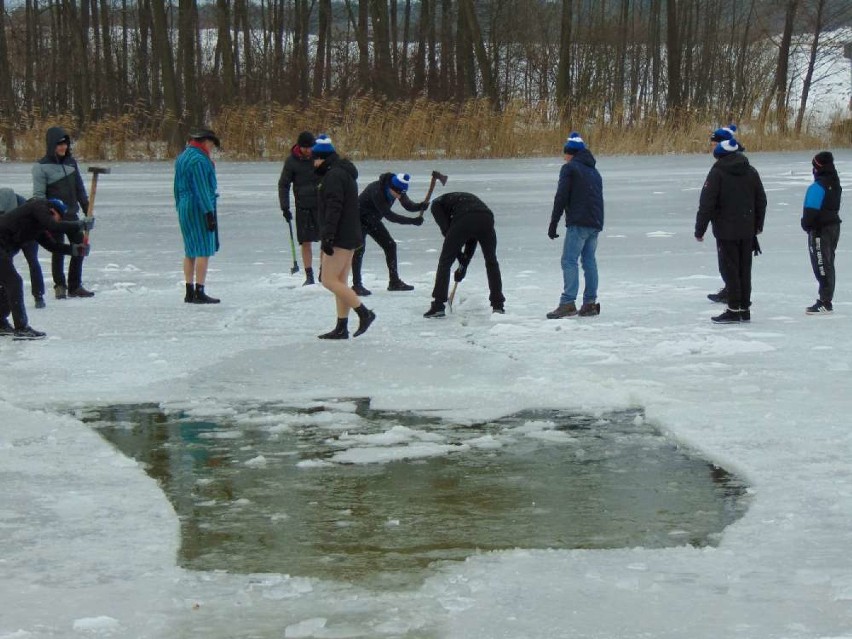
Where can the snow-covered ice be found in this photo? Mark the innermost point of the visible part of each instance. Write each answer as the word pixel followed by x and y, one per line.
pixel 89 542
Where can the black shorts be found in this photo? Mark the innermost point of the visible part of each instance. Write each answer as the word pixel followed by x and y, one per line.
pixel 307 225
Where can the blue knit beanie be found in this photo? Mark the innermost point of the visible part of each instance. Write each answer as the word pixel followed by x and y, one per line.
pixel 58 205
pixel 573 144
pixel 724 133
pixel 400 182
pixel 726 147
pixel 323 147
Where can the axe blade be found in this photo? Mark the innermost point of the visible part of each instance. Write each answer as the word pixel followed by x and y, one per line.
pixel 440 177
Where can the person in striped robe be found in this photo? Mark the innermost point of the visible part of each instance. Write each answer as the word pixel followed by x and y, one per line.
pixel 195 200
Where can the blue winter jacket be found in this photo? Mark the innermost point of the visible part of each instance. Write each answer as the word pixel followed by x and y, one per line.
pixel 579 193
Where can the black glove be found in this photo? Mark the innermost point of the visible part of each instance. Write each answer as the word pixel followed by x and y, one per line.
pixel 80 250
pixel 287 215
pixel 551 231
pixel 460 272
pixel 755 246
pixel 87 223
pixel 211 221
pixel 418 221
pixel 327 245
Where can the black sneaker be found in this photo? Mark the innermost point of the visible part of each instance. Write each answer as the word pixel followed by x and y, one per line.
pixel 60 291
pixel 80 292
pixel 745 315
pixel 6 328
pixel 28 332
pixel 498 309
pixel 360 291
pixel 39 301
pixel 730 316
pixel 720 298
pixel 399 285
pixel 819 308
pixel 435 311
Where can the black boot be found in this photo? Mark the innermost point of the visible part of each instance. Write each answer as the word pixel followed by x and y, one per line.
pixel 360 291
pixel 365 318
pixel 309 277
pixel 189 298
pixel 201 297
pixel 341 331
pixel 399 285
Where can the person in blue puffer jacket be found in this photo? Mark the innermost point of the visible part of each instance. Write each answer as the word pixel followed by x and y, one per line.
pixel 821 221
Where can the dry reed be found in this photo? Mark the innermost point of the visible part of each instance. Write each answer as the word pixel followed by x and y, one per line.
pixel 368 128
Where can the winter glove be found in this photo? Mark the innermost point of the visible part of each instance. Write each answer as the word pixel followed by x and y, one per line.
pixel 327 245
pixel 211 221
pixel 460 272
pixel 755 246
pixel 287 215
pixel 87 223
pixel 418 221
pixel 551 231
pixel 80 250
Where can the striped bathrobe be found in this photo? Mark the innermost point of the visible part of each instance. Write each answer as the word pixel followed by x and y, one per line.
pixel 195 196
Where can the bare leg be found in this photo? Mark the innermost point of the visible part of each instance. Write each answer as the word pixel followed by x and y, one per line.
pixel 189 270
pixel 335 277
pixel 307 255
pixel 201 269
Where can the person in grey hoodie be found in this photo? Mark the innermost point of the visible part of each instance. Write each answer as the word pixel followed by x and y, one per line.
pixel 57 175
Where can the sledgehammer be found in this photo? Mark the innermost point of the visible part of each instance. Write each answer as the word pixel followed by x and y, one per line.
pixel 95 171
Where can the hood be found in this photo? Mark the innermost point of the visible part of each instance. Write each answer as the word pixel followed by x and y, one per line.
pixel 54 136
pixel 734 164
pixel 347 166
pixel 296 152
pixel 335 160
pixel 584 156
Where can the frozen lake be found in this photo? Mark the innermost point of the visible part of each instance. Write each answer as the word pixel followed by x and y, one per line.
pixel 91 543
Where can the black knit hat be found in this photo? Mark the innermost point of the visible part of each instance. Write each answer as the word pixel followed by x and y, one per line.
pixel 306 140
pixel 204 134
pixel 823 160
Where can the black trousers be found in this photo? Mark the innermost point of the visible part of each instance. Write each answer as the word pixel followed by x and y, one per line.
pixel 11 291
pixel 75 265
pixel 472 228
pixel 379 232
pixel 822 245
pixel 735 268
pixel 30 251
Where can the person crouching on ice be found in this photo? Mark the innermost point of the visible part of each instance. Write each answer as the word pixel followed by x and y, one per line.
pixel 337 205
pixel 34 220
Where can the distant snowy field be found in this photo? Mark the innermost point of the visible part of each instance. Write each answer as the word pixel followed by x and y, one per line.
pixel 89 541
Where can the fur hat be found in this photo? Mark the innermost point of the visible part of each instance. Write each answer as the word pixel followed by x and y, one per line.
pixel 201 134
pixel 400 182
pixel 573 144
pixel 323 147
pixel 306 140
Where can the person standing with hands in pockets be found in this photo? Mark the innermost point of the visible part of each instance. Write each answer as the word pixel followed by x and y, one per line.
pixel 821 221
pixel 195 200
pixel 337 204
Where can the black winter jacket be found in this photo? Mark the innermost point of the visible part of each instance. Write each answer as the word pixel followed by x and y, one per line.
pixel 33 220
pixel 822 200
pixel 374 205
pixel 59 177
pixel 452 207
pixel 579 193
pixel 732 199
pixel 299 172
pixel 337 203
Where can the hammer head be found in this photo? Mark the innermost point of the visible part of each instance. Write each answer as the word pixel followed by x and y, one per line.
pixel 99 169
pixel 440 177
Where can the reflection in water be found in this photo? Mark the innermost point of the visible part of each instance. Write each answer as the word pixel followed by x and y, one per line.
pixel 263 490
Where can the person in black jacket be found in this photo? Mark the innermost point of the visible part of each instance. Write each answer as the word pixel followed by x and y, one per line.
pixel 299 172
pixel 375 203
pixel 35 220
pixel 734 201
pixel 57 175
pixel 10 200
pixel 337 204
pixel 464 221
pixel 821 221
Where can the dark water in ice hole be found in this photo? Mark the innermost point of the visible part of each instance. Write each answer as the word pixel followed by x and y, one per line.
pixel 593 482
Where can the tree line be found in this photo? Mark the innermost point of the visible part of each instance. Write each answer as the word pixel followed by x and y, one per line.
pixel 620 62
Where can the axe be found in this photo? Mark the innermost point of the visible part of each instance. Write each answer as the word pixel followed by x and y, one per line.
pixel 95 171
pixel 436 177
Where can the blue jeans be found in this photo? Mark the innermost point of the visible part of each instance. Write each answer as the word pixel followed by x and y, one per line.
pixel 581 242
